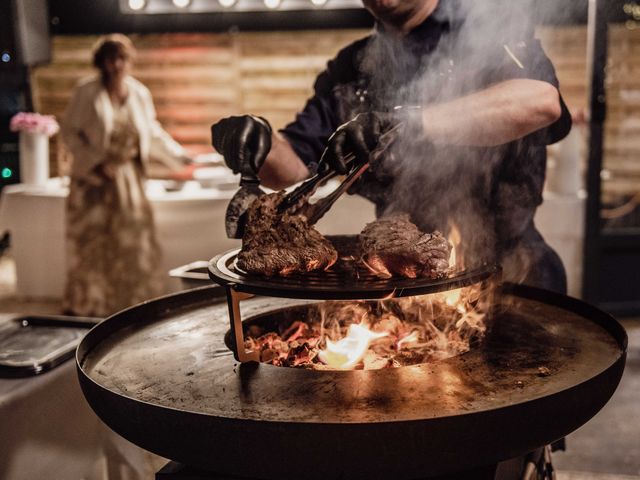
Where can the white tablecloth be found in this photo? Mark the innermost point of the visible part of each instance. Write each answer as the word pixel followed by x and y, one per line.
pixel 188 222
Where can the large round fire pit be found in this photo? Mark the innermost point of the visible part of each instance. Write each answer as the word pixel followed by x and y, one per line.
pixel 161 375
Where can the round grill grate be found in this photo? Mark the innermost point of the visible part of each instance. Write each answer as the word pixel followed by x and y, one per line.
pixel 347 279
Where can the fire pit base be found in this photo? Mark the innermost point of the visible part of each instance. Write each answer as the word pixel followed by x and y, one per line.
pixel 160 375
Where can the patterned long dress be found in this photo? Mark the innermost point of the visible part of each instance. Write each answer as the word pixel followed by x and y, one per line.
pixel 113 257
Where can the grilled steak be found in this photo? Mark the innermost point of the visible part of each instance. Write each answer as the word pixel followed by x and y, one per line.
pixel 281 244
pixel 394 246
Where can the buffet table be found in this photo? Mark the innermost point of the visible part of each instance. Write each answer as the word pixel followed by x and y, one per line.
pixel 188 224
pixel 189 221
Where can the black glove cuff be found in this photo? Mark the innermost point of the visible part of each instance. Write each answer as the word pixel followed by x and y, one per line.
pixel 263 121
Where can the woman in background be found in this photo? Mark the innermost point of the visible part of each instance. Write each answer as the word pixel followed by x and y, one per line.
pixel 110 127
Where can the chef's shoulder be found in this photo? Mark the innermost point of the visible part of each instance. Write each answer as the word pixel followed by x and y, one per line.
pixel 344 67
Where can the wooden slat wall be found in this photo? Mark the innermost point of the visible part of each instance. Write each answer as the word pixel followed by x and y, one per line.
pixel 622 141
pixel 567 48
pixel 278 69
pixel 196 79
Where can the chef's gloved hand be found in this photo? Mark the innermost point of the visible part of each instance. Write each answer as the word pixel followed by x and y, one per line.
pixel 361 135
pixel 243 141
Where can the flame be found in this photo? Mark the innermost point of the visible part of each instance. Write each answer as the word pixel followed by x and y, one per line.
pixel 346 353
pixel 454 238
pixel 413 337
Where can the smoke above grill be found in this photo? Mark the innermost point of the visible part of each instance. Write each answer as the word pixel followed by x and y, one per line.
pixel 447 180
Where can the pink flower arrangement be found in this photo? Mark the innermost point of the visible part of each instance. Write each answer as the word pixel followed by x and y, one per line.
pixel 34 123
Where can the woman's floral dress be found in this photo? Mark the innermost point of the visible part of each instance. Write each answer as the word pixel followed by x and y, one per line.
pixel 114 259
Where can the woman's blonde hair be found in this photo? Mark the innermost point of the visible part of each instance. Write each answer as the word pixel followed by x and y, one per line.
pixel 111 46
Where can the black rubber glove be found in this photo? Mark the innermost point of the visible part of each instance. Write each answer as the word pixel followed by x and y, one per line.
pixel 361 135
pixel 243 141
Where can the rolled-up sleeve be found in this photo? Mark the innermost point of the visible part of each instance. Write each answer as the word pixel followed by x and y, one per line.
pixel 522 173
pixel 527 59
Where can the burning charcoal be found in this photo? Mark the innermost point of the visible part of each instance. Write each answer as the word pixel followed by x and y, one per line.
pixel 403 332
pixel 384 345
pixel 409 357
pixel 298 356
pixel 388 323
pixel 544 372
pixel 268 355
pixel 268 338
pixel 282 244
pixel 394 246
pixel 295 330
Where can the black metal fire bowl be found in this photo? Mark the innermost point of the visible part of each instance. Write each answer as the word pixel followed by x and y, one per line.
pixel 160 375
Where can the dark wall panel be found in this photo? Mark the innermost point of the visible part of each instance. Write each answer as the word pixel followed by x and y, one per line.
pixel 619 280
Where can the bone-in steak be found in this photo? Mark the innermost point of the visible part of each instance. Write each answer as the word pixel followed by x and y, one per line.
pixel 281 244
pixel 395 246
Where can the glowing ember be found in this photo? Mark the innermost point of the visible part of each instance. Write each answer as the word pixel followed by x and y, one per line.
pixel 346 353
pixel 370 335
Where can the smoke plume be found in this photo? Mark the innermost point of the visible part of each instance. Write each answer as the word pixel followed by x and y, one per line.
pixel 482 44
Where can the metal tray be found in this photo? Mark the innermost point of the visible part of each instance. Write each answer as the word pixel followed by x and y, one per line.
pixel 34 344
pixel 192 275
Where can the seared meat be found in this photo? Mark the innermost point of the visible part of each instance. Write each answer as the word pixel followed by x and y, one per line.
pixel 394 246
pixel 281 244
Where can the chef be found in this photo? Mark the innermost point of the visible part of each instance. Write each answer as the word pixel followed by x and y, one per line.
pixel 477 102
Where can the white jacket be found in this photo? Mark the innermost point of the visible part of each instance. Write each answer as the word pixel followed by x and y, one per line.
pixel 88 123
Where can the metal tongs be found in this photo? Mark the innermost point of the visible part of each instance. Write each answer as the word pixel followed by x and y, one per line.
pixel 315 211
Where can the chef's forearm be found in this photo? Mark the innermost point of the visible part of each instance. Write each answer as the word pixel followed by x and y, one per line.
pixel 282 167
pixel 499 114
